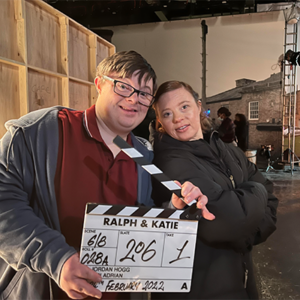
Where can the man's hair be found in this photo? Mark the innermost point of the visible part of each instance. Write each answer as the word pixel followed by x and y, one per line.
pixel 125 63
pixel 173 85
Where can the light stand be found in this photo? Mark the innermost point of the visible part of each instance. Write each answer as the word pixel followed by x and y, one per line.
pixel 268 155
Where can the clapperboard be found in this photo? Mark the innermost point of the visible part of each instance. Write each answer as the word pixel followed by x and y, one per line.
pixel 140 249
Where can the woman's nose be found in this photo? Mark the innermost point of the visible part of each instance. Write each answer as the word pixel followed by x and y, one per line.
pixel 177 117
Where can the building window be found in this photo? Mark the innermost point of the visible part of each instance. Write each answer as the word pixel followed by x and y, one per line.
pixel 253 110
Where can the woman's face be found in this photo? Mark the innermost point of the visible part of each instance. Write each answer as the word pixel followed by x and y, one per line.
pixel 179 115
pixel 221 116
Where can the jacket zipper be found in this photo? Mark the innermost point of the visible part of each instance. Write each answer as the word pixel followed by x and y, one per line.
pixel 228 173
pixel 245 275
pixel 232 181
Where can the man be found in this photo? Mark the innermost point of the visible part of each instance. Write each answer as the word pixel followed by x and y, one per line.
pixel 52 162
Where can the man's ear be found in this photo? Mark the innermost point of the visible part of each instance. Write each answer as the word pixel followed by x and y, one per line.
pixel 97 81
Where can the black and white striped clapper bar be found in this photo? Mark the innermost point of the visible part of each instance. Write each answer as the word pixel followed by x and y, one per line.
pixel 192 212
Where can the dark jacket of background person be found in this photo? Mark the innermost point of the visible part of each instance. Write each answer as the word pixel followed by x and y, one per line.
pixel 243 204
pixel 241 131
pixel 30 262
pixel 226 131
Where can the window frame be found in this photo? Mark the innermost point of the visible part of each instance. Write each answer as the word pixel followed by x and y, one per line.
pixel 249 110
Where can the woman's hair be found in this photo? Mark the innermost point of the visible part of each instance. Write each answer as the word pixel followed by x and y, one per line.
pixel 173 85
pixel 242 118
pixel 225 111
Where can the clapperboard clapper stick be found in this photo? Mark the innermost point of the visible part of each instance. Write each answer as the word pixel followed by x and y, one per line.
pixel 192 212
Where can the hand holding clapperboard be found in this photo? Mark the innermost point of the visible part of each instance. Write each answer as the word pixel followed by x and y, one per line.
pixel 141 249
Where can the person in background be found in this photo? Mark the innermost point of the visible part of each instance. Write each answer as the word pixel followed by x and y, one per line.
pixel 241 131
pixel 239 197
pixel 226 129
pixel 55 160
pixel 292 57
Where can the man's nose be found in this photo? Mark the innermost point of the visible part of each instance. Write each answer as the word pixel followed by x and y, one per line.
pixel 134 98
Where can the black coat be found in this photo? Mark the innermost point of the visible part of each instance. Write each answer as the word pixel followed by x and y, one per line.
pixel 241 132
pixel 227 131
pixel 245 213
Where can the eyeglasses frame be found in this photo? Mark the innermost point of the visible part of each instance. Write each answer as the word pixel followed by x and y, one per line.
pixel 134 90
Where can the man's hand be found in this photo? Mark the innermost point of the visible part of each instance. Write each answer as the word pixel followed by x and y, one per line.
pixel 189 193
pixel 73 279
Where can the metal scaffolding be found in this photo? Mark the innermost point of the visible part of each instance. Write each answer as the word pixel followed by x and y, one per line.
pixel 289 97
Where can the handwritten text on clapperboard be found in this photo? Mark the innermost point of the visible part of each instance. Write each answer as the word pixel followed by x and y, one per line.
pixel 139 254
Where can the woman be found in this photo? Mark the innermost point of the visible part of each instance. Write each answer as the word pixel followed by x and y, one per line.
pixel 226 129
pixel 238 196
pixel 241 131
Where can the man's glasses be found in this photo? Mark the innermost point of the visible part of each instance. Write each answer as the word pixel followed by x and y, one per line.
pixel 125 90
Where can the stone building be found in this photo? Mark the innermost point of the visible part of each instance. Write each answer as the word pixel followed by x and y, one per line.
pixel 260 102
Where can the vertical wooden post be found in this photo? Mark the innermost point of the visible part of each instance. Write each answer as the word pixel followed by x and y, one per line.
pixel 93 66
pixel 64 39
pixel 20 16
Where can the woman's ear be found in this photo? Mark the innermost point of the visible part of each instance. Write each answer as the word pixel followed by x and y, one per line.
pixel 200 105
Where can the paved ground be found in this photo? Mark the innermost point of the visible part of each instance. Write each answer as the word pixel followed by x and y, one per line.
pixel 277 261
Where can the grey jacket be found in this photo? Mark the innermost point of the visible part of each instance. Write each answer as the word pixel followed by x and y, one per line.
pixel 32 249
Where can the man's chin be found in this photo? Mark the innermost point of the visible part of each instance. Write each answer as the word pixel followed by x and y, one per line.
pixel 127 127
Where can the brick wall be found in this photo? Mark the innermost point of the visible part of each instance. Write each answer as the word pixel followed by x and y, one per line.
pixel 269 108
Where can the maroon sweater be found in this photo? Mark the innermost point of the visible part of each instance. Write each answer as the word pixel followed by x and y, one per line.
pixel 87 172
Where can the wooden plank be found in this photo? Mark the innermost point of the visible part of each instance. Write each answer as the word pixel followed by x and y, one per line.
pixel 80 28
pixel 9 94
pixel 93 66
pixel 8 32
pixel 79 95
pixel 65 92
pixel 43 38
pixel 11 62
pixel 46 7
pixel 64 38
pixel 78 53
pixel 43 89
pixel 23 87
pixel 107 44
pixel 102 51
pixel 112 50
pixel 93 56
pixel 21 33
pixel 46 59
pixel 81 81
pixel 47 72
pixel 94 95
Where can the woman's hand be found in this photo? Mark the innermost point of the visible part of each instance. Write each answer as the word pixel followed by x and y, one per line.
pixel 189 193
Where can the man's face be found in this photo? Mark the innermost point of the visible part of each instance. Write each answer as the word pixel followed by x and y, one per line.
pixel 121 114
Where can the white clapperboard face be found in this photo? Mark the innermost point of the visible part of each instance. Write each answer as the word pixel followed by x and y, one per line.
pixel 139 249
